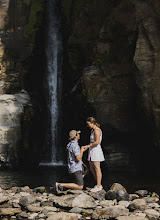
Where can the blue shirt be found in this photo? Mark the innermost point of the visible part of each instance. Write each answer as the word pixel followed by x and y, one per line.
pixel 73 149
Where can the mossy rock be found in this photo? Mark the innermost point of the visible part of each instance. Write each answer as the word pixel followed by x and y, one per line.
pixel 94 94
pixel 67 9
pixel 73 52
pixel 71 9
pixel 116 34
pixel 35 20
pixel 28 114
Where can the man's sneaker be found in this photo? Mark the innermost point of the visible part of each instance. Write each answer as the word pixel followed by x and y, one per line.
pixel 58 187
pixel 96 189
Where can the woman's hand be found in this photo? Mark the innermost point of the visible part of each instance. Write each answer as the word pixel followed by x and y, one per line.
pixel 85 147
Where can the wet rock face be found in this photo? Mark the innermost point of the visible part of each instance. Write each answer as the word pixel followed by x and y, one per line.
pixel 18 28
pixel 12 45
pixel 11 112
pixel 147 57
pixel 119 66
pixel 108 81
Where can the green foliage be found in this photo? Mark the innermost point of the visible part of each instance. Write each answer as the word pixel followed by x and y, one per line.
pixel 78 4
pixel 94 94
pixel 28 114
pixel 73 52
pixel 71 9
pixel 105 58
pixel 19 3
pixel 35 19
pixel 66 9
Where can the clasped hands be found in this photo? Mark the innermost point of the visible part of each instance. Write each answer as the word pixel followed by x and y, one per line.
pixel 84 148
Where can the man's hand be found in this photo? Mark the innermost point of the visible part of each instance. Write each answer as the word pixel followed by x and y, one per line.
pixel 84 148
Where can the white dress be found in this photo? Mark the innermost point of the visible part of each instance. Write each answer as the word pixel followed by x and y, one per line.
pixel 95 153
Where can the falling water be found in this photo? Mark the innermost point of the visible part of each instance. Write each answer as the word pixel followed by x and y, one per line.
pixel 54 78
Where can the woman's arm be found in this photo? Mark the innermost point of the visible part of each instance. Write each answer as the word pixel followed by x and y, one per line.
pixel 97 134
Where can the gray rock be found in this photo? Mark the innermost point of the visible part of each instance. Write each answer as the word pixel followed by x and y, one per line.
pixel 72 191
pixel 117 186
pixel 117 194
pixel 27 200
pixel 23 215
pixel 16 205
pixel 100 195
pixel 33 216
pixel 32 208
pixel 3 199
pixel 108 202
pixel 138 204
pixel 11 110
pixel 125 203
pixel 151 213
pixel 133 196
pixel 151 199
pixel 64 216
pixel 9 211
pixel 24 194
pixel 26 189
pixel 49 209
pixel 46 203
pixel 140 214
pixel 40 189
pixel 15 189
pixel 110 212
pixel 76 210
pixel 82 201
pixel 142 193
pixel 41 215
pixel 87 211
pixel 154 205
pixel 131 218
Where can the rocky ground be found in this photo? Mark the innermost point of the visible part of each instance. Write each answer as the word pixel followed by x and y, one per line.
pixel 43 203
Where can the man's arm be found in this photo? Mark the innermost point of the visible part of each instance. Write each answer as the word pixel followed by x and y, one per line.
pixel 79 157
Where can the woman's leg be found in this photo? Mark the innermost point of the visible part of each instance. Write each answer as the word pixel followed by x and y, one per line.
pixel 98 172
pixel 91 165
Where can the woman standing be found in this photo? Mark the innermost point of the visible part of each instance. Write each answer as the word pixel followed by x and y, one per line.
pixel 95 153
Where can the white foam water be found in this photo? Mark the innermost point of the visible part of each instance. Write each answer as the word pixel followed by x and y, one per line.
pixel 54 72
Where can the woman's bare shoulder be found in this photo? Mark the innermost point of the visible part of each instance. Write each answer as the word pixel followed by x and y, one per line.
pixel 97 131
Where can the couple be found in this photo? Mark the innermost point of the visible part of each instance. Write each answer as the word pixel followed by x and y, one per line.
pixel 75 154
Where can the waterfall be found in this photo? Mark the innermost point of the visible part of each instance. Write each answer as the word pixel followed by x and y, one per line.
pixel 54 79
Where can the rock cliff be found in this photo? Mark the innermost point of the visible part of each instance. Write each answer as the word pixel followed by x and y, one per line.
pixel 110 71
pixel 20 22
pixel 112 65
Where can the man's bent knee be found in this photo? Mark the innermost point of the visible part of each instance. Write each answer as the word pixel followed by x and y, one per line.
pixel 80 187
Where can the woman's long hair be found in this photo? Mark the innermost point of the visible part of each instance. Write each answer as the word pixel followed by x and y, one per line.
pixel 93 121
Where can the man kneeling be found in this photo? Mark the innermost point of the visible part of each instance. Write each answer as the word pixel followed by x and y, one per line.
pixel 75 154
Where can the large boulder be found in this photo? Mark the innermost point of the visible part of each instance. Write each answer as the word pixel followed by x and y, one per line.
pixel 11 111
pixel 138 204
pixel 109 212
pixel 64 216
pixel 81 200
pixel 118 192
